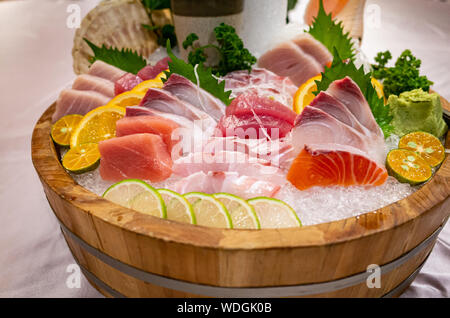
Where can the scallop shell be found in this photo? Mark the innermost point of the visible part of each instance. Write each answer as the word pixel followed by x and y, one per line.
pixel 116 23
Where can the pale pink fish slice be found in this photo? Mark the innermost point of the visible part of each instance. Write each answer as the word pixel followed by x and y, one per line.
pixel 86 82
pixel 189 92
pixel 287 59
pixel 230 182
pixel 349 93
pixel 314 126
pixel 314 48
pixel 106 71
pixel 72 101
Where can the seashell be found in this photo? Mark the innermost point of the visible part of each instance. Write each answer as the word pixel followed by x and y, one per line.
pixel 116 23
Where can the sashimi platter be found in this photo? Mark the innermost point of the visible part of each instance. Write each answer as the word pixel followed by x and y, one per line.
pixel 186 118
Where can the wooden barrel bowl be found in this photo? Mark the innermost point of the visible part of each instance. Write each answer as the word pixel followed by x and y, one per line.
pixel 126 253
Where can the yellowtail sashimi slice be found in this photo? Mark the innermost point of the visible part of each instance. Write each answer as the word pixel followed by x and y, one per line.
pixel 149 202
pixel 178 207
pixel 242 214
pixel 122 192
pixel 273 213
pixel 209 211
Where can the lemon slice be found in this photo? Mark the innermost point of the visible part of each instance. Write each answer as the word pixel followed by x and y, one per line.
pixel 123 191
pixel 143 87
pixel 149 202
pixel 242 214
pixel 82 158
pixel 209 211
pixel 97 125
pixel 177 207
pixel 378 88
pixel 426 145
pixel 273 213
pixel 62 129
pixel 304 95
pixel 129 98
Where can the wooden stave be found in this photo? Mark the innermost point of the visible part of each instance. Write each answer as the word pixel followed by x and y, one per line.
pixel 224 242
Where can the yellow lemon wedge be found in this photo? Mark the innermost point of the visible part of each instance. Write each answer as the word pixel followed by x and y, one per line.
pixel 130 98
pixel 97 125
pixel 304 95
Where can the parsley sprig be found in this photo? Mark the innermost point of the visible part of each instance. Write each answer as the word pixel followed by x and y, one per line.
pixel 403 77
pixel 233 55
pixel 340 69
pixel 207 80
pixel 331 34
pixel 125 59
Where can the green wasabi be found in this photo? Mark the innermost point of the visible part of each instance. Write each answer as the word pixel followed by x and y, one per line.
pixel 417 110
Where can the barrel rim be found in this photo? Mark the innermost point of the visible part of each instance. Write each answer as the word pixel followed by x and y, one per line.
pixel 43 153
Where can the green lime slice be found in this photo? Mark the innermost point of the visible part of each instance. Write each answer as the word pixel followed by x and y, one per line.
pixel 149 202
pixel 242 214
pixel 123 191
pixel 209 211
pixel 177 207
pixel 274 213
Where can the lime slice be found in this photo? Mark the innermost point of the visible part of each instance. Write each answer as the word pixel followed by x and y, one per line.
pixel 274 213
pixel 242 214
pixel 82 158
pixel 209 211
pixel 123 191
pixel 149 202
pixel 177 207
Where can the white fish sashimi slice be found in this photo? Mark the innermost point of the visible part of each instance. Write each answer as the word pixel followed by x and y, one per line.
pixel 86 82
pixel 72 101
pixel 230 182
pixel 314 126
pixel 349 93
pixel 312 47
pixel 106 71
pixel 287 59
pixel 228 161
pixel 189 92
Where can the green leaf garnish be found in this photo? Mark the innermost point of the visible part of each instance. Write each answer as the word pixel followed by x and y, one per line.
pixel 156 4
pixel 125 59
pixel 331 34
pixel 207 81
pixel 339 70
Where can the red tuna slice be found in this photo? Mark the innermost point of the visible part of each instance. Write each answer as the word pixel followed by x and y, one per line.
pixel 151 71
pixel 126 83
pixel 148 124
pixel 328 165
pixel 250 104
pixel 141 156
pixel 254 126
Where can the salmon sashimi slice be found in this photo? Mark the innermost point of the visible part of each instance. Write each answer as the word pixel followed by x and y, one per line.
pixel 230 182
pixel 151 71
pixel 148 124
pixel 164 101
pixel 251 104
pixel 349 93
pixel 141 156
pixel 327 165
pixel 126 83
pixel 314 126
pixel 261 82
pixel 86 82
pixel 228 161
pixel 312 47
pixel 72 101
pixel 194 95
pixel 288 59
pixel 106 71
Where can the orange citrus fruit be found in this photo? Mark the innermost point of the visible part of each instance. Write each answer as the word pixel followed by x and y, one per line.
pixel 145 85
pixel 304 95
pixel 82 158
pixel 408 166
pixel 378 88
pixel 62 129
pixel 130 98
pixel 426 145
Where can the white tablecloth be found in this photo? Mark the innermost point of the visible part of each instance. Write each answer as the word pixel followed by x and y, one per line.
pixel 36 62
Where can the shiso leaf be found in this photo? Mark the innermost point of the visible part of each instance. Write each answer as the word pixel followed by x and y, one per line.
pixel 331 34
pixel 207 81
pixel 340 69
pixel 125 59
